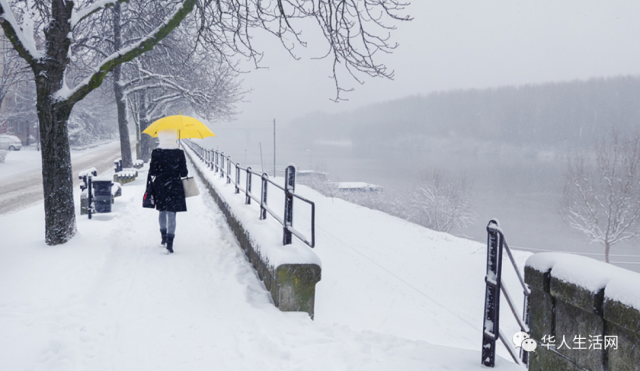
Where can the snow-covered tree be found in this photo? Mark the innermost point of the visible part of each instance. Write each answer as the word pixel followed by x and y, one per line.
pixel 601 195
pixel 17 91
pixel 55 23
pixel 441 202
pixel 20 107
pixel 179 75
pixel 351 29
pixel 14 69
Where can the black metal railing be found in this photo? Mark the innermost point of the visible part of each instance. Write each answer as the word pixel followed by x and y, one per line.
pixel 220 164
pixel 496 243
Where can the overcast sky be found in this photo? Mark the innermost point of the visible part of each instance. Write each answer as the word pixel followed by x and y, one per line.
pixel 457 44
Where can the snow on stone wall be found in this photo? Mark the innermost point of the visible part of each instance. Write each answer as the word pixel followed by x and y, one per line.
pixel 619 284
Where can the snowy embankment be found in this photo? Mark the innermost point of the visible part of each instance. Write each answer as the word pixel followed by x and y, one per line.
pixel 381 273
pixel 393 295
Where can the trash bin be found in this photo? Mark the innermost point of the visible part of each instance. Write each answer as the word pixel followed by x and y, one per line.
pixel 102 195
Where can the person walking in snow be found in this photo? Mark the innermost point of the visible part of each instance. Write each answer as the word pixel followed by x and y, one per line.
pixel 168 165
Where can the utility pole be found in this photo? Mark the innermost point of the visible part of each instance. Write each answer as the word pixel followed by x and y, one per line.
pixel 274 148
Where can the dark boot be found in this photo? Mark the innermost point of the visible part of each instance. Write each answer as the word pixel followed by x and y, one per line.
pixel 163 232
pixel 170 243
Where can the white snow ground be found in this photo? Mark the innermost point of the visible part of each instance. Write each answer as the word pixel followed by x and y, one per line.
pixel 393 295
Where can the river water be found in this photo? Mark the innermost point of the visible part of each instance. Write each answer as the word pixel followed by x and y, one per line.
pixel 523 193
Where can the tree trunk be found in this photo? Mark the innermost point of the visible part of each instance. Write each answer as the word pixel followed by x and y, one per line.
pixel 53 113
pixel 57 175
pixel 125 144
pixel 123 127
pixel 146 140
pixel 607 248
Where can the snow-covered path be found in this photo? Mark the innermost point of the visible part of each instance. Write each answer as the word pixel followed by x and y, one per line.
pixel 112 299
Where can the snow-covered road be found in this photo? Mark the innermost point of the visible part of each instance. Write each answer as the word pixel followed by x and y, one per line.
pixel 21 174
pixel 112 299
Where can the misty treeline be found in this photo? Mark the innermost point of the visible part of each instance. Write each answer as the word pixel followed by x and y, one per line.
pixel 437 199
pixel 529 119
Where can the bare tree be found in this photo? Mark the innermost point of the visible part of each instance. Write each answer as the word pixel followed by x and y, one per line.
pixel 224 26
pixel 55 22
pixel 20 107
pixel 14 68
pixel 601 195
pixel 178 75
pixel 16 88
pixel 441 202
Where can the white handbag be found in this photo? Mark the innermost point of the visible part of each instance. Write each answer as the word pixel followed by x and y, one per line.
pixel 190 187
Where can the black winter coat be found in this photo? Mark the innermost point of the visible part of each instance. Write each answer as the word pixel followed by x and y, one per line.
pixel 167 166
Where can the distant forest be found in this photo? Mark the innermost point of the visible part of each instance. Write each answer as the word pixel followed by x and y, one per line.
pixel 528 119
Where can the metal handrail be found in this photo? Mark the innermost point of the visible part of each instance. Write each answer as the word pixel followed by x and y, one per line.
pixel 215 161
pixel 496 243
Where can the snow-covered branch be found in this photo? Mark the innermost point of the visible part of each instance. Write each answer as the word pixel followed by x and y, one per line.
pixel 21 36
pixel 78 15
pixel 127 54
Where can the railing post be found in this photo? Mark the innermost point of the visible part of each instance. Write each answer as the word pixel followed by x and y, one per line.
pixel 221 164
pixel 229 170
pixel 237 178
pixel 263 197
pixel 526 318
pixel 289 189
pixel 491 325
pixel 248 190
pixel 215 160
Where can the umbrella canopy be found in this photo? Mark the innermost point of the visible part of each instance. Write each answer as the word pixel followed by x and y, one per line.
pixel 187 127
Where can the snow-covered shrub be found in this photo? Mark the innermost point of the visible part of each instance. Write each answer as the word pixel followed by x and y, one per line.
pixel 441 202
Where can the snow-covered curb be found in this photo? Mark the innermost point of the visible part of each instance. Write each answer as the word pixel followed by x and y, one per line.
pixel 290 272
pixel 618 284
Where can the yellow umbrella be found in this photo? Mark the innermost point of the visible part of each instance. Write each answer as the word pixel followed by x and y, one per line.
pixel 187 127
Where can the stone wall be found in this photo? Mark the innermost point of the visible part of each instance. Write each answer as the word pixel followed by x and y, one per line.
pixel 292 286
pixel 586 316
